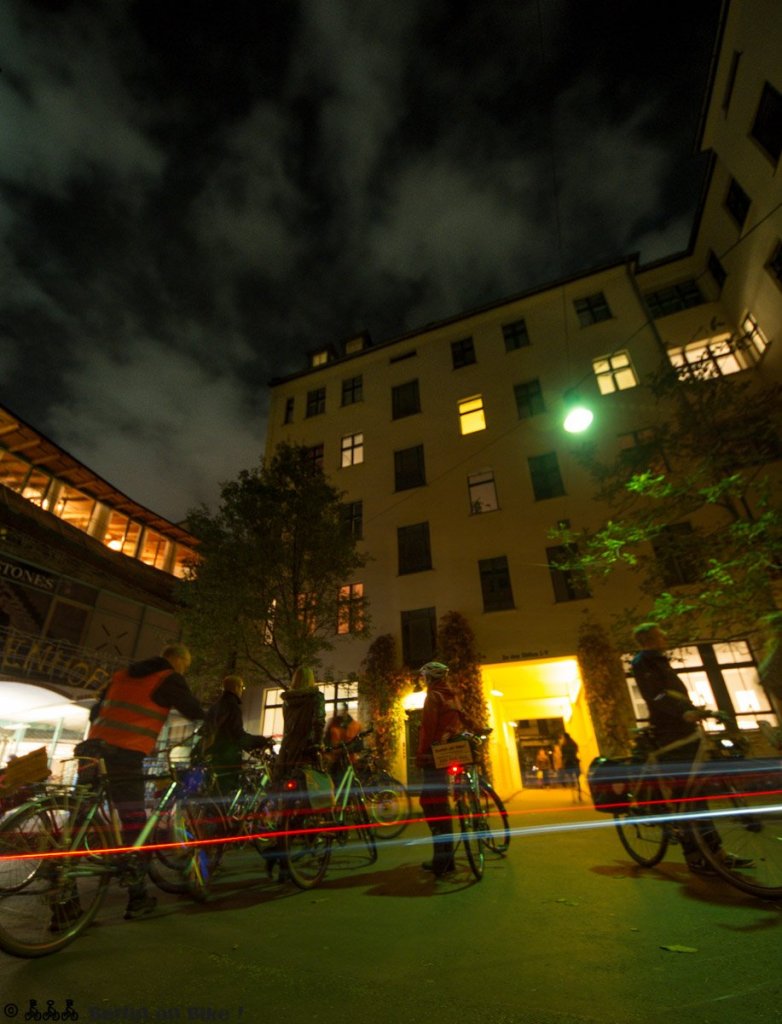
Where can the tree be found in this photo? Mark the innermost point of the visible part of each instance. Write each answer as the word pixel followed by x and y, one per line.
pixel 694 506
pixel 270 588
pixel 383 686
pixel 457 646
pixel 605 688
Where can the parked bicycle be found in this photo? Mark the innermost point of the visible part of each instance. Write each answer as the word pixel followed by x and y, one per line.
pixel 730 806
pixel 248 815
pixel 387 799
pixel 483 818
pixel 58 853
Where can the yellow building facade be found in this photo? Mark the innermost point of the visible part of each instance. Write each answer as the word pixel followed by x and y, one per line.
pixel 448 441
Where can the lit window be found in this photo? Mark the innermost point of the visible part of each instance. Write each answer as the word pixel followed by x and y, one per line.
pixel 352 450
pixel 350 613
pixel 471 415
pixel 719 356
pixel 483 492
pixel 319 358
pixel 74 507
pixel 614 373
pixel 153 549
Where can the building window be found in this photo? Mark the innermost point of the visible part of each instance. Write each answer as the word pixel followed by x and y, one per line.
pixel 315 455
pixel 414 551
pixel 350 609
pixel 676 554
pixel 471 415
pixel 495 584
pixel 405 400
pixel 288 417
pixel 774 265
pixel 319 358
pixel 316 402
pixel 737 202
pixel 462 353
pixel 353 519
pixel 409 470
pixel 673 299
pixel 641 452
pixel 614 373
pixel 352 390
pixel 767 127
pixel 592 309
pixel 734 69
pixel 74 507
pixel 570 584
pixel 545 476
pixel 405 355
pixel 419 636
pixel 352 450
pixel 482 491
pixel 529 399
pixel 154 549
pixel 515 335
pixel 719 356
pixel 716 269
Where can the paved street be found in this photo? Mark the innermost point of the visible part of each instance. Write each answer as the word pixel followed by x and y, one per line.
pixel 564 930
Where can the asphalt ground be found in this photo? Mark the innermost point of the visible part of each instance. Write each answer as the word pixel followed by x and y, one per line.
pixel 563 930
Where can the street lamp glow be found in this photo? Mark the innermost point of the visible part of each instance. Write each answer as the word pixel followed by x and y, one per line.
pixel 578 419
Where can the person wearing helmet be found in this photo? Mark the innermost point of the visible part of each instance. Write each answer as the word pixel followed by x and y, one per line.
pixel 223 737
pixel 442 718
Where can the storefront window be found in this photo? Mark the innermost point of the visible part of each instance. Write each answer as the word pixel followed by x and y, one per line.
pixel 74 507
pixel 154 549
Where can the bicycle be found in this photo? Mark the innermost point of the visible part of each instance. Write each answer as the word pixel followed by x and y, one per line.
pixel 58 853
pixel 475 799
pixel 730 806
pixel 387 799
pixel 245 815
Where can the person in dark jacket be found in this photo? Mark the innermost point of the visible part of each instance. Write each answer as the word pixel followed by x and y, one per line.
pixel 442 719
pixel 303 718
pixel 223 737
pixel 673 717
pixel 125 725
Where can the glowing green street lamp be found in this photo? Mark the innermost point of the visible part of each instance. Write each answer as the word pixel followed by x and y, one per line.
pixel 578 417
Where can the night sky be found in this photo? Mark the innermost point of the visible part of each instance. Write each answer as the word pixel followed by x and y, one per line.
pixel 192 195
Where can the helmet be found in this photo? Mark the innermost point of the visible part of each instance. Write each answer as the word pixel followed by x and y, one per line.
pixel 433 670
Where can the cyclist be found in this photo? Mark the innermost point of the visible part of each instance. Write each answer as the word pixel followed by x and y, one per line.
pixel 672 717
pixel 442 718
pixel 342 728
pixel 223 737
pixel 126 723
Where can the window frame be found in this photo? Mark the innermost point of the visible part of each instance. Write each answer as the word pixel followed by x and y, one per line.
pixel 463 352
pixel 406 477
pixel 496 584
pixel 353 450
pixel 516 335
pixel 769 132
pixel 568 584
pixel 473 483
pixel 545 469
pixel 592 309
pixel 612 372
pixel 405 399
pixel 316 402
pixel 352 390
pixel 533 403
pixel 414 548
pixel 467 414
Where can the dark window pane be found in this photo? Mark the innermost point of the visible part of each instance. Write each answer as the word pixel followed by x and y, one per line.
pixel 414 551
pixel 592 308
pixel 405 400
pixel 674 298
pixel 409 468
pixel 775 263
pixel 495 584
pixel 353 518
pixel 529 399
pixel 515 335
pixel 737 202
pixel 352 390
pixel 288 411
pixel 316 402
pixel 545 475
pixel 767 129
pixel 419 636
pixel 716 269
pixel 462 353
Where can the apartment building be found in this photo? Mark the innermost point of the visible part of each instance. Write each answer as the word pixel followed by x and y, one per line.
pixel 449 446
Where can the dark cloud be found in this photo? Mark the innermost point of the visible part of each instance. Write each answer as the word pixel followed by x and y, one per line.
pixel 193 195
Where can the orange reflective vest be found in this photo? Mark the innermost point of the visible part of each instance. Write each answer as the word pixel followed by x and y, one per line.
pixel 128 716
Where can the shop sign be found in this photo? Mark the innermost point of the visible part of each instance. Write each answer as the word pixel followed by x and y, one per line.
pixel 20 572
pixel 54 661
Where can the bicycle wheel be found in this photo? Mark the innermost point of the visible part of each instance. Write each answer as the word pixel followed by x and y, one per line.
pixel 199 821
pixel 739 829
pixel 389 805
pixel 644 838
pixel 497 836
pixel 307 845
pixel 168 865
pixel 47 900
pixel 473 830
pixel 358 816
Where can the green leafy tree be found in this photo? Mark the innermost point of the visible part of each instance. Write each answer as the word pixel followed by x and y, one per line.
pixel 605 688
pixel 458 649
pixel 382 686
pixel 268 590
pixel 693 507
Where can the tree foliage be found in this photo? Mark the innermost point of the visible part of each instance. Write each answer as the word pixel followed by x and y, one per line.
pixel 458 650
pixel 265 591
pixel 693 507
pixel 383 685
pixel 605 688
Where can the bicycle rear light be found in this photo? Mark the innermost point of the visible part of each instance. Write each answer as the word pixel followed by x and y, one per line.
pixel 454 769
pixel 291 784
